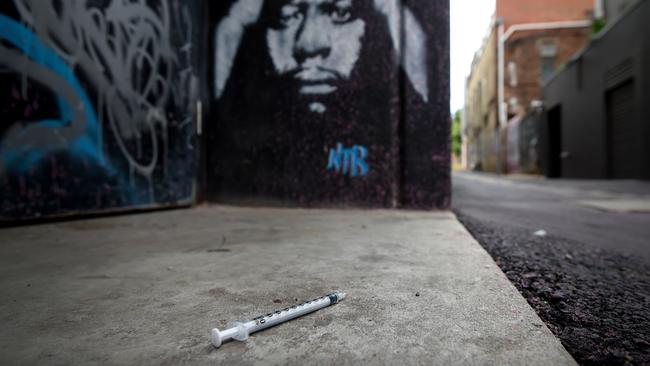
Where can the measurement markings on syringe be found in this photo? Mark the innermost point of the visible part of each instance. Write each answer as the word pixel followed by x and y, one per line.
pixel 263 318
pixel 240 330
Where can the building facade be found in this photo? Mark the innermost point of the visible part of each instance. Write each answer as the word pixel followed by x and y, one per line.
pixel 481 120
pixel 598 108
pixel 526 44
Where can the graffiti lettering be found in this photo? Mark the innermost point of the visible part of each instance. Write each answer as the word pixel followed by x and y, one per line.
pixel 350 161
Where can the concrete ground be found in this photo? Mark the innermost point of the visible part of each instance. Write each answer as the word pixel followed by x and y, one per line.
pixel 147 289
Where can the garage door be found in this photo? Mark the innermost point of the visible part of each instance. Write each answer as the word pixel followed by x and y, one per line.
pixel 624 137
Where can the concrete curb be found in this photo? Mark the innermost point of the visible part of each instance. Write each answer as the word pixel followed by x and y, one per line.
pixel 147 289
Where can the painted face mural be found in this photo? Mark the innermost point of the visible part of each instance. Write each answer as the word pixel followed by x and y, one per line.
pixel 312 96
pixel 317 43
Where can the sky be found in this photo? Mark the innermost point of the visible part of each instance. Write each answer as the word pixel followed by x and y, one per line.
pixel 470 20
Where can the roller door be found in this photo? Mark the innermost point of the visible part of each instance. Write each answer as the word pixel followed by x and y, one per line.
pixel 623 134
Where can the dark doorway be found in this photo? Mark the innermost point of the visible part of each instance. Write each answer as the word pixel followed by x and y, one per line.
pixel 623 137
pixel 554 158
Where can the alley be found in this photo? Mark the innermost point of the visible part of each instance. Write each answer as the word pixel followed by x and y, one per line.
pixel 562 208
pixel 577 250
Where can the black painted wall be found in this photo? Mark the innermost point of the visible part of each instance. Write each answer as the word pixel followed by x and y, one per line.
pixel 97 104
pixel 425 138
pixel 324 103
pixel 327 103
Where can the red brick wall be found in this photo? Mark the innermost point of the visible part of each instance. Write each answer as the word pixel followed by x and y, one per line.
pixel 524 49
pixel 535 11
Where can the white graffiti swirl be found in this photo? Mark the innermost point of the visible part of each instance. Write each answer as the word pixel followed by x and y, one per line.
pixel 123 50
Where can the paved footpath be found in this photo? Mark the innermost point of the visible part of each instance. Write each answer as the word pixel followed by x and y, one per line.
pixel 147 289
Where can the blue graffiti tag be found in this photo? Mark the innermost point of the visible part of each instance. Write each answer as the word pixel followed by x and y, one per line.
pixel 350 161
pixel 22 158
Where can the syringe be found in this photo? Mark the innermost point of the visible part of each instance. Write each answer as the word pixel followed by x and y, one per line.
pixel 241 330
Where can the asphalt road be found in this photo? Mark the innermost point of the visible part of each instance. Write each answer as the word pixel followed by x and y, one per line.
pixel 588 278
pixel 556 206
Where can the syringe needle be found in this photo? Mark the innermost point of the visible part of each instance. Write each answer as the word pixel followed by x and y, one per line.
pixel 241 330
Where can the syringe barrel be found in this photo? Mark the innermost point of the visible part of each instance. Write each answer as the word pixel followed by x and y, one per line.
pixel 281 316
pixel 240 330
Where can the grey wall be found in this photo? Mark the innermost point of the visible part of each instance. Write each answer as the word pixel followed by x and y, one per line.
pixel 620 54
pixel 644 71
pixel 616 8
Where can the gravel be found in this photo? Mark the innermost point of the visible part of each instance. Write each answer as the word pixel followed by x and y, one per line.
pixel 595 301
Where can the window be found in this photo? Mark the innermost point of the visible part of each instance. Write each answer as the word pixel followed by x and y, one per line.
pixel 514 104
pixel 548 68
pixel 548 48
pixel 512 72
pixel 547 53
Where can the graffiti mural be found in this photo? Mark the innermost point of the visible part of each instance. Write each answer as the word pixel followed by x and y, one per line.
pixel 97 105
pixel 293 78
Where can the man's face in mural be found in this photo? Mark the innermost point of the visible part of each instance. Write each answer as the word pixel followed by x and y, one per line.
pixel 316 44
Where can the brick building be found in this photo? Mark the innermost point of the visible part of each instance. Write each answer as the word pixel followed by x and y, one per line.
pixel 527 43
pixel 514 12
pixel 531 58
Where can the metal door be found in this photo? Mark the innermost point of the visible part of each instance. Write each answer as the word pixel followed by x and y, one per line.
pixel 624 151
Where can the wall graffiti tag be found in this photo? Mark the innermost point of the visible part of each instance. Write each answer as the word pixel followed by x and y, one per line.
pixel 350 161
pixel 23 147
pixel 111 83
